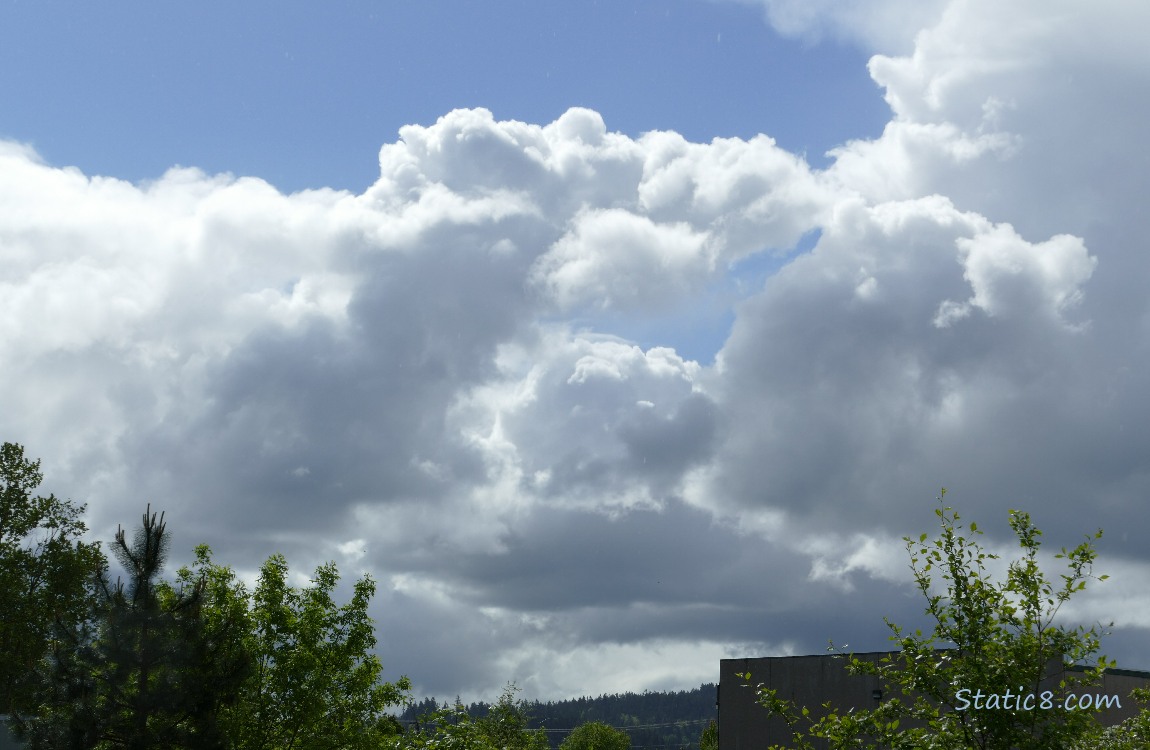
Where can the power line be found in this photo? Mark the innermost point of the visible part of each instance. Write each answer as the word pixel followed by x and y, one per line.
pixel 685 722
pixel 646 726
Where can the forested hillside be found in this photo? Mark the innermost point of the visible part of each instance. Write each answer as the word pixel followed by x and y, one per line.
pixel 668 721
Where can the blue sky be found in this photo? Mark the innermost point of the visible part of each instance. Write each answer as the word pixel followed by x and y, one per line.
pixel 611 339
pixel 303 95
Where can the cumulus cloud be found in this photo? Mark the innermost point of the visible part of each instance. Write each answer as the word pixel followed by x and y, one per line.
pixel 610 257
pixel 373 376
pixel 425 381
pixel 1008 275
pixel 885 25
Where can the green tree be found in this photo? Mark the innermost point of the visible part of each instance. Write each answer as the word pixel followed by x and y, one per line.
pixel 505 724
pixel 217 651
pixel 987 635
pixel 504 727
pixel 709 740
pixel 142 671
pixel 448 728
pixel 46 574
pixel 595 735
pixel 1131 734
pixel 315 684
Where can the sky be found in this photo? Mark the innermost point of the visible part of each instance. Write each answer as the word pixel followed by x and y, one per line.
pixel 610 338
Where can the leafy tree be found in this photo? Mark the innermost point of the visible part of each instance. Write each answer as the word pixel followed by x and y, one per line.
pixel 709 740
pixel 142 672
pixel 46 574
pixel 315 685
pixel 218 652
pixel 504 727
pixel 447 728
pixel 988 636
pixel 595 735
pixel 201 663
pixel 1131 734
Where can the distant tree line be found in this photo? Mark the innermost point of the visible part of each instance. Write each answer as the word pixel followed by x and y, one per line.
pixel 667 720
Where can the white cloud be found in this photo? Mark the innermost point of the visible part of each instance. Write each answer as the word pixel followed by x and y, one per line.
pixel 751 195
pixel 615 259
pixel 1009 275
pixel 574 422
pixel 881 25
pixel 661 665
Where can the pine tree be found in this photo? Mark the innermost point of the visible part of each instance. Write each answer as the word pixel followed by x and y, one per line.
pixel 142 673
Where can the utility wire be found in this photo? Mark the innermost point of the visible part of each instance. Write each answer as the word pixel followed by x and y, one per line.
pixel 645 726
pixel 627 728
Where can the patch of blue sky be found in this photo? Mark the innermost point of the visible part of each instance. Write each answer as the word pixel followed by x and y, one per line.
pixel 304 94
pixel 698 327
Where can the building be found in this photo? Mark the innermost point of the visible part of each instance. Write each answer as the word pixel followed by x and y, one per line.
pixel 812 681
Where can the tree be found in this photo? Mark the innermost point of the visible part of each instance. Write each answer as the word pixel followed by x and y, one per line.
pixel 595 735
pixel 201 663
pixel 989 636
pixel 143 671
pixel 709 740
pixel 1131 734
pixel 504 727
pixel 447 728
pixel 46 573
pixel 218 648
pixel 315 684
